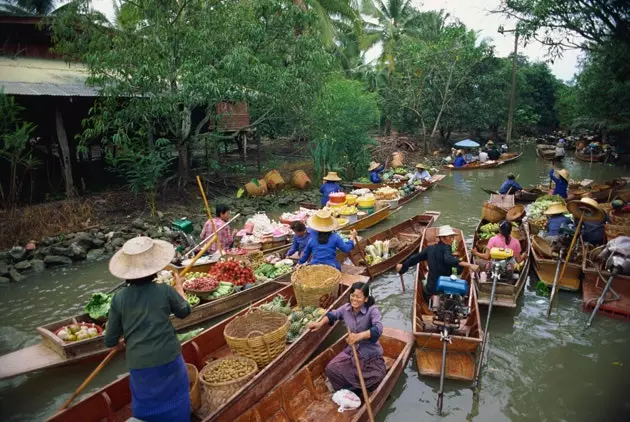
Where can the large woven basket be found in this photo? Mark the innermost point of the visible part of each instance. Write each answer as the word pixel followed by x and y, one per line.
pixel 193 386
pixel 216 394
pixel 542 247
pixel 258 335
pixel 515 213
pixel 315 285
pixel 620 220
pixel 613 231
pixel 492 213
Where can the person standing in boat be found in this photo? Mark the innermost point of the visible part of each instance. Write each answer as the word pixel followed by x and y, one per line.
pixel 375 170
pixel 329 186
pixel 363 319
pixel 440 260
pixel 226 237
pixel 301 236
pixel 322 245
pixel 510 186
pixel 562 183
pixel 421 174
pixel 140 314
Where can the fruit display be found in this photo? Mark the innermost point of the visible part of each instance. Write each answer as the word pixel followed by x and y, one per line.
pixel 488 230
pixel 224 289
pixel 77 332
pixel 386 193
pixel 201 282
pixel 98 306
pixel 279 304
pixel 377 252
pixel 235 272
pixel 192 299
pixel 236 251
pixel 227 370
pixel 347 210
pixel 299 318
pixel 268 271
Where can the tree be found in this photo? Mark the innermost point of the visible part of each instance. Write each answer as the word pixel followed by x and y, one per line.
pixel 28 7
pixel 171 59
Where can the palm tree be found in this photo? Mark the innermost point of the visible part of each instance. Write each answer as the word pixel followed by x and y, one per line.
pixel 331 13
pixel 28 7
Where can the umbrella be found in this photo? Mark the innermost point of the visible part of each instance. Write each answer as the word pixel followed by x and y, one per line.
pixel 467 143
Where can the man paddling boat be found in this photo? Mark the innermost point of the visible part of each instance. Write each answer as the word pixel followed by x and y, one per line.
pixel 510 185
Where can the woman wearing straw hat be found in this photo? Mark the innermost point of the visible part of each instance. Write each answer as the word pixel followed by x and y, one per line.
pixel 562 183
pixel 330 185
pixel 556 220
pixel 140 314
pixel 440 259
pixel 421 174
pixel 324 242
pixel 459 160
pixel 593 229
pixel 375 170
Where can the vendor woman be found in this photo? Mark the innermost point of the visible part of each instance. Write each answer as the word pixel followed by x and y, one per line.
pixel 562 183
pixel 375 170
pixel 459 160
pixel 140 314
pixel 323 243
pixel 363 319
pixel 226 237
pixel 330 185
pixel 421 174
pixel 556 219
pixel 301 235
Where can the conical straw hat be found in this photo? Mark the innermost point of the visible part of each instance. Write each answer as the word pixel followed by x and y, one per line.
pixel 141 257
pixel 373 166
pixel 564 174
pixel 322 221
pixel 332 176
pixel 420 166
pixel 585 207
pixel 556 208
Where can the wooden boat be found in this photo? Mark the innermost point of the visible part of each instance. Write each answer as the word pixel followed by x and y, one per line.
pixel 602 192
pixel 374 186
pixel 460 355
pixel 527 196
pixel 547 152
pixel 409 231
pixel 113 402
pixel 545 268
pixel 474 166
pixel 434 181
pixel 53 352
pixel 595 278
pixel 370 220
pixel 508 157
pixel 506 294
pixel 589 158
pixel 305 397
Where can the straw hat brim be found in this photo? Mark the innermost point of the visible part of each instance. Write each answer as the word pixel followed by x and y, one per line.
pixel 557 208
pixel 446 231
pixel 332 178
pixel 564 174
pixel 131 267
pixel 591 213
pixel 420 166
pixel 321 227
pixel 374 166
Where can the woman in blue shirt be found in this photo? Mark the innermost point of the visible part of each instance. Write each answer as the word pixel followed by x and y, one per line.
pixel 301 235
pixel 510 185
pixel 459 161
pixel 375 170
pixel 562 183
pixel 323 243
pixel 557 219
pixel 330 186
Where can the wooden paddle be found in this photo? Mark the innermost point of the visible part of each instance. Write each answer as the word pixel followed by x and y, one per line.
pixel 367 266
pixel 366 397
pixel 205 201
pixel 113 352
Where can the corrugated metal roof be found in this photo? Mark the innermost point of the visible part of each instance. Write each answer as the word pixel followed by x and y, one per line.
pixel 31 76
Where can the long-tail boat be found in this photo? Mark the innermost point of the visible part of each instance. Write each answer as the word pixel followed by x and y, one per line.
pixel 408 233
pixel 474 166
pixel 421 189
pixel 589 158
pixel 52 352
pixel 508 157
pixel 545 264
pixel 460 356
pixel 113 402
pixel 547 152
pixel 362 223
pixel 506 294
pixel 304 396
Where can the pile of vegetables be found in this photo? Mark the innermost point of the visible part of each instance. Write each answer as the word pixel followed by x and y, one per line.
pixel 224 289
pixel 201 282
pixel 537 208
pixel 386 193
pixel 98 306
pixel 77 332
pixel 189 334
pixel 236 251
pixel 233 272
pixel 300 318
pixel 377 252
pixel 268 271
pixel 364 180
pixel 193 300
pixel 227 370
pixel 488 230
pixel 301 215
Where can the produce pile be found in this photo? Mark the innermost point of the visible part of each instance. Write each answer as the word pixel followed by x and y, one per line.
pixel 228 370
pixel 298 317
pixel 165 277
pixel 189 334
pixel 193 300
pixel 301 215
pixel 386 193
pixel 537 220
pixel 224 289
pixel 98 306
pixel 488 230
pixel 77 332
pixel 232 271
pixel 260 228
pixel 269 271
pixel 347 210
pixel 377 252
pixel 201 260
pixel 279 304
pixel 235 251
pixel 201 281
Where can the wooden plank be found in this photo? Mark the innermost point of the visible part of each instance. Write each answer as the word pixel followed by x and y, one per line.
pixel 459 366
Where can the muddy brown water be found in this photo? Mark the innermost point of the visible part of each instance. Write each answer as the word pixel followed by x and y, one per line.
pixel 537 370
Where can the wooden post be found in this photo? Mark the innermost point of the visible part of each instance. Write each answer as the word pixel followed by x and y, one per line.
pixel 257 138
pixel 205 201
pixel 64 155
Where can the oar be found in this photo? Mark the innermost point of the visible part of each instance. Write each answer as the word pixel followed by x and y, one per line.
pixel 570 250
pixel 402 282
pixel 112 352
pixel 489 191
pixel 550 179
pixel 366 397
pixel 207 239
pixel 444 337
pixel 600 300
pixel 444 186
pixel 205 201
pixel 556 279
pixel 495 279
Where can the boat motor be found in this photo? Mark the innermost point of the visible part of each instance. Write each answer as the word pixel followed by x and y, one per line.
pixel 502 264
pixel 563 240
pixel 449 305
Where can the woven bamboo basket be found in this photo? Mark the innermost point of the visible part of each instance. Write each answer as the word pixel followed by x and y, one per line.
pixel 492 213
pixel 258 335
pixel 193 386
pixel 315 285
pixel 256 258
pixel 216 394
pixel 613 231
pixel 515 213
pixel 541 247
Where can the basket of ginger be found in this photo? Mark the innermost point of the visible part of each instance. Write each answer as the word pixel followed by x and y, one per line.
pixel 224 377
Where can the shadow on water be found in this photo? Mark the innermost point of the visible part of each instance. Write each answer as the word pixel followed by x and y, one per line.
pixel 536 370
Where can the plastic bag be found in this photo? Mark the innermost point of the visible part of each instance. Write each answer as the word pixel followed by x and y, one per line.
pixel 346 400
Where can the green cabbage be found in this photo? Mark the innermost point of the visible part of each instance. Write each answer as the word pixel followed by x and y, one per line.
pixel 98 306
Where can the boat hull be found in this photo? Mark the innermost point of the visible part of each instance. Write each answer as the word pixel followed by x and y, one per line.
pixel 483 166
pixel 508 157
pixel 546 269
pixel 434 180
pixel 589 158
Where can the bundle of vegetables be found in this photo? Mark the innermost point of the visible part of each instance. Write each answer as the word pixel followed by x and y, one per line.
pixel 98 306
pixel 387 175
pixel 360 192
pixel 189 334
pixel 377 252
pixel 232 271
pixel 401 170
pixel 193 300
pixel 364 180
pixel 279 304
pixel 267 271
pixel 537 208
pixel 77 332
pixel 165 277
pixel 263 226
pixel 300 318
pixel 201 282
pixel 488 230
pixel 224 289
pixel 454 246
pixel 386 193
pixel 200 260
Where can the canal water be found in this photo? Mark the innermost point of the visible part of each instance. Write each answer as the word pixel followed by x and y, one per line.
pixel 537 370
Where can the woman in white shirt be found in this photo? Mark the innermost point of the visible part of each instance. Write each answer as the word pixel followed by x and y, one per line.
pixel 421 174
